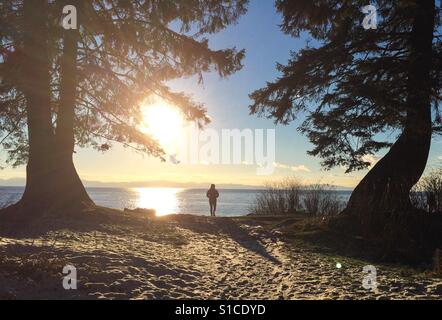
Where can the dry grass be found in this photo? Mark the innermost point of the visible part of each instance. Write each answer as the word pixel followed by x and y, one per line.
pixel 289 196
pixel 427 193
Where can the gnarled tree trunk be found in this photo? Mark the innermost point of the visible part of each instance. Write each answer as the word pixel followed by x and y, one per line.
pixel 37 92
pixel 52 183
pixel 67 183
pixel 382 197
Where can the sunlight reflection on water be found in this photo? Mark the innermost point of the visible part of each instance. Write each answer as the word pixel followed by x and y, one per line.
pixel 232 202
pixel 163 200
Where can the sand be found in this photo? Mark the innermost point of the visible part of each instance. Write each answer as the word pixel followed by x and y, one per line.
pixel 185 256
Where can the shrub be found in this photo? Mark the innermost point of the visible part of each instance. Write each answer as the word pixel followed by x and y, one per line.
pixel 322 199
pixel 288 196
pixel 278 197
pixel 427 193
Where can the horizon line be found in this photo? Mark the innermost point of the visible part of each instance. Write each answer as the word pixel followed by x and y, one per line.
pixel 20 182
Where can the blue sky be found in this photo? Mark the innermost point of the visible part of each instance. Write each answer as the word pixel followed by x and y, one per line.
pixel 227 101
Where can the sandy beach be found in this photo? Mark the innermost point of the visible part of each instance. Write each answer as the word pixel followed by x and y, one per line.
pixel 122 256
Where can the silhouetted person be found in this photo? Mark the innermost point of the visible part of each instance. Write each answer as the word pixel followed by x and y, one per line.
pixel 212 194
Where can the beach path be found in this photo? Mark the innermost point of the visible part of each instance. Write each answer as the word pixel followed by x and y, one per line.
pixel 186 256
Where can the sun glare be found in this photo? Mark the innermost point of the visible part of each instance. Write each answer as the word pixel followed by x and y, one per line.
pixel 162 121
pixel 163 200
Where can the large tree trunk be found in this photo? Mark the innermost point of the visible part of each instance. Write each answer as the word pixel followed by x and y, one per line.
pixel 52 183
pixel 68 184
pixel 37 91
pixel 382 197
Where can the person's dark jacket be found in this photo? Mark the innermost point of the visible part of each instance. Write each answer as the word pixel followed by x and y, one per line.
pixel 212 194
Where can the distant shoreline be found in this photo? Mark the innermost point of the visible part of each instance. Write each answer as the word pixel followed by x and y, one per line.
pixel 20 182
pixel 251 188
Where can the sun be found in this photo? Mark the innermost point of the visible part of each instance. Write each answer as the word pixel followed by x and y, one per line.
pixel 163 121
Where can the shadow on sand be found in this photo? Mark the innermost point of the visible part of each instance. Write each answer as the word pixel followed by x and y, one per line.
pixel 226 226
pixel 99 219
pixel 31 225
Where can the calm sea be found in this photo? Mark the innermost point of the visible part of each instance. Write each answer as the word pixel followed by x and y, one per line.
pixel 232 202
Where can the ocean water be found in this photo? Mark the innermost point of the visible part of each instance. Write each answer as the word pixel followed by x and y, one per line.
pixel 232 202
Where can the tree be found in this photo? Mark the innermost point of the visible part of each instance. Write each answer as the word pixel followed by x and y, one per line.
pixel 356 86
pixel 85 87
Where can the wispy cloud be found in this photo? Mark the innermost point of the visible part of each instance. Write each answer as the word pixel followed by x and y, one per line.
pixel 280 165
pixel 300 168
pixel 293 168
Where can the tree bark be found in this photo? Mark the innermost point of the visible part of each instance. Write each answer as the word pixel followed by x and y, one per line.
pixel 68 184
pixel 52 182
pixel 37 92
pixel 383 195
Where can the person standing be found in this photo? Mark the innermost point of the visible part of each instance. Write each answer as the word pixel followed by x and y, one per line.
pixel 213 195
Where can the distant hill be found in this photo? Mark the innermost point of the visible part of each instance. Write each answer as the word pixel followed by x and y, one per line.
pixel 165 184
pixel 20 182
pixel 13 182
